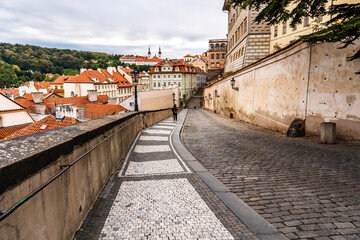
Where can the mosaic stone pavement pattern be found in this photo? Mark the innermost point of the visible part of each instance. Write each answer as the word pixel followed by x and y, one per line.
pixel 305 189
pixel 154 195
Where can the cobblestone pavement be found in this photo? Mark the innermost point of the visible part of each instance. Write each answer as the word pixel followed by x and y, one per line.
pixel 305 189
pixel 154 196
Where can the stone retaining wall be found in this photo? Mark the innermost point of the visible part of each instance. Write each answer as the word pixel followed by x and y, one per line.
pixel 315 83
pixel 58 211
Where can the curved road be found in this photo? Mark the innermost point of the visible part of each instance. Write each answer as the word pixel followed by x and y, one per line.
pixel 305 189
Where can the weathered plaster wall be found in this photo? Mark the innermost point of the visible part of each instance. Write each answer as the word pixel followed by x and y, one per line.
pixel 316 83
pixel 58 210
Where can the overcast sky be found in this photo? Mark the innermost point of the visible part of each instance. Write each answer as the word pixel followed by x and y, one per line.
pixel 180 27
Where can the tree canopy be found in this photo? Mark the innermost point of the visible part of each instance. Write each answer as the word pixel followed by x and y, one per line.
pixel 343 26
pixel 22 63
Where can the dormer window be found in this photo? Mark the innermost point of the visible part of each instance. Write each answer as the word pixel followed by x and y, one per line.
pixel 156 69
pixel 177 69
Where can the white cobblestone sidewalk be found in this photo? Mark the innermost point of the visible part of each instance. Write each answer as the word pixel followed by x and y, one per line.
pixel 168 208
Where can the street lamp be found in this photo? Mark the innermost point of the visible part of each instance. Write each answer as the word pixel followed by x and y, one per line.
pixel 173 98
pixel 135 83
pixel 233 84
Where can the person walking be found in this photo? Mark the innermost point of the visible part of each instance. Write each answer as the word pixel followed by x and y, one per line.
pixel 175 110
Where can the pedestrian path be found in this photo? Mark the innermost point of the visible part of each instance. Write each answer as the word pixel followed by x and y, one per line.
pixel 155 195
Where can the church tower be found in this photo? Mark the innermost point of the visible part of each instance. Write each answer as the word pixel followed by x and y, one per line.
pixel 160 54
pixel 149 53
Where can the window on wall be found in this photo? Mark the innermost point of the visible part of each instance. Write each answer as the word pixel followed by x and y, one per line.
pixel 222 56
pixel 275 31
pixel 179 76
pixel 320 18
pixel 284 28
pixel 241 30
pixel 245 25
pixel 1 122
pixel 154 85
pixel 218 56
pixel 294 27
pixel 211 46
pixel 212 56
pixel 159 84
pixel 223 46
pixel 179 84
pixel 306 21
pixel 169 76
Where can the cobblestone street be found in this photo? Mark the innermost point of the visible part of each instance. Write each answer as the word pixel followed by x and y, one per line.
pixel 305 189
pixel 154 195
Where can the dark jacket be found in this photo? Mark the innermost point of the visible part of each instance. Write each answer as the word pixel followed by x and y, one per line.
pixel 174 110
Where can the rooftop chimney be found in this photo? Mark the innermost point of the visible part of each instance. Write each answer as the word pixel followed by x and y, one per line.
pixel 113 101
pixel 37 97
pixel 111 70
pixel 92 95
pixel 40 109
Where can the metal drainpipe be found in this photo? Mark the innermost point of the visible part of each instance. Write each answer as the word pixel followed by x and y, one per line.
pixel 308 82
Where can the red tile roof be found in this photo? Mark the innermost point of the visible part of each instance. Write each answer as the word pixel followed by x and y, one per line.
pixel 59 90
pixel 62 79
pixel 50 103
pixel 44 124
pixel 28 96
pixel 4 132
pixel 13 91
pixel 183 67
pixel 143 59
pixel 106 73
pixel 127 70
pixel 93 111
pixel 121 80
pixel 40 85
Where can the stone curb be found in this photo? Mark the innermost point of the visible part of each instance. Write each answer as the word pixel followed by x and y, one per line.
pixel 260 227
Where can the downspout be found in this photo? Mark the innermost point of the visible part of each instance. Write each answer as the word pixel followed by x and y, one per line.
pixel 308 82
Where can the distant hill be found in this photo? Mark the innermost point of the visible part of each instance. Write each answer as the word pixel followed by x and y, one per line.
pixel 21 63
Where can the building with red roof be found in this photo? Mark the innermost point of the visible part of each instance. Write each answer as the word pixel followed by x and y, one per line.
pixel 45 124
pixel 105 81
pixel 165 74
pixel 12 114
pixel 10 92
pixel 141 61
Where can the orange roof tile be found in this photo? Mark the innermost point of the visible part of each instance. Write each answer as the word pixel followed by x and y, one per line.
pixel 4 132
pixel 121 80
pixel 127 70
pixel 106 73
pixel 40 85
pixel 62 79
pixel 88 76
pixel 28 96
pixel 93 111
pixel 44 124
pixel 13 91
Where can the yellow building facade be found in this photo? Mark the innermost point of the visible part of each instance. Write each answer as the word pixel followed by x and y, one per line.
pixel 283 34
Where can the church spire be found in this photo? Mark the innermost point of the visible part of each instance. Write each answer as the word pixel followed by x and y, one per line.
pixel 149 53
pixel 160 54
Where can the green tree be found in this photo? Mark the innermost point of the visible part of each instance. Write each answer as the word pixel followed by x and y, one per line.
pixel 343 27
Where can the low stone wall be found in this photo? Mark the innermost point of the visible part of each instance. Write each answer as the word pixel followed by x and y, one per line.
pixel 58 210
pixel 315 83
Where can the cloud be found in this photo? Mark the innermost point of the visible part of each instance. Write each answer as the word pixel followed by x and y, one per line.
pixel 114 26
